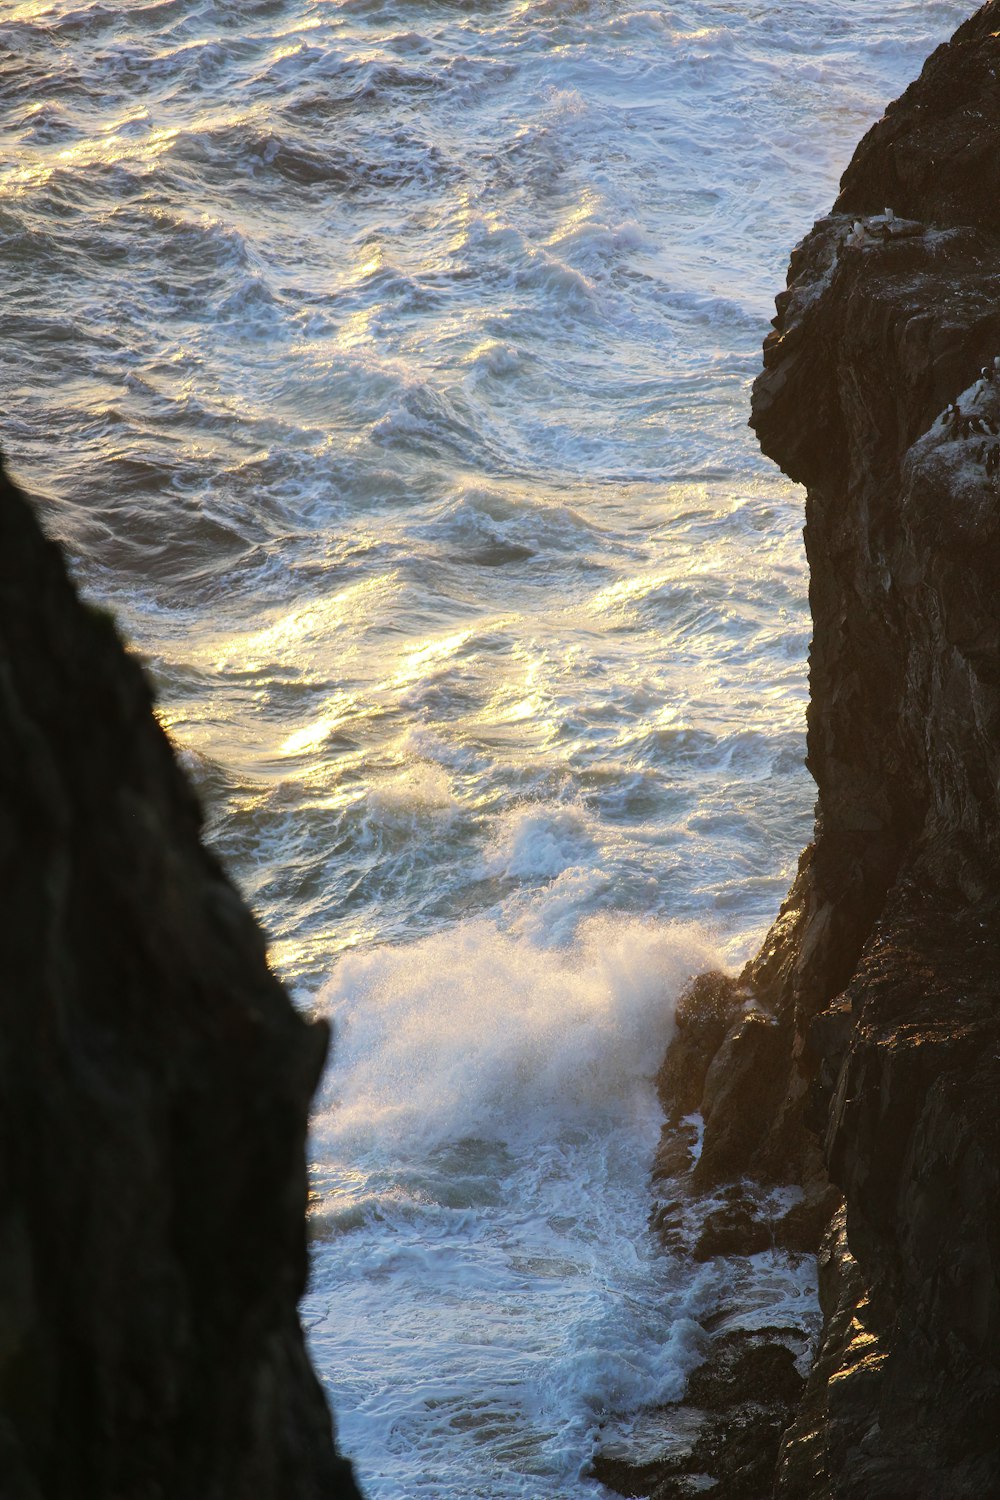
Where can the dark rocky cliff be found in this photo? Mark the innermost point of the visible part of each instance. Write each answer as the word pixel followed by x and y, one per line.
pixel 858 1055
pixel 154 1089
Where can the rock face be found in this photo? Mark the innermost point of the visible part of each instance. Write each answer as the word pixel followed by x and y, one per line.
pixel 155 1087
pixel 859 1054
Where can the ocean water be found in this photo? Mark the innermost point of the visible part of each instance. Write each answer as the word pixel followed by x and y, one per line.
pixel 385 365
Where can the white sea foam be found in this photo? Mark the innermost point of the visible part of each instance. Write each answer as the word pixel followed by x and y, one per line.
pixel 541 841
pixel 417 789
pixel 477 1032
pixel 482 1142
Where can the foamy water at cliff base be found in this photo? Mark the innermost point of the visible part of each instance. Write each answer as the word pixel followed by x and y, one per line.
pixel 385 366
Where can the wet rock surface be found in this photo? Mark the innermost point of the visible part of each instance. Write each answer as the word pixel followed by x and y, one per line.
pixel 858 1055
pixel 737 1405
pixel 155 1083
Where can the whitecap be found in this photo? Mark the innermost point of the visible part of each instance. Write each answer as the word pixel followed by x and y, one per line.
pixel 475 1032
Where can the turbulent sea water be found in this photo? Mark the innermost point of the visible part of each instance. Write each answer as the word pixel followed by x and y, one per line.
pixel 385 365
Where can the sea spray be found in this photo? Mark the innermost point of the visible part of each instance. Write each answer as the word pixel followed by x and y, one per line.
pixel 480 1189
pixel 476 1032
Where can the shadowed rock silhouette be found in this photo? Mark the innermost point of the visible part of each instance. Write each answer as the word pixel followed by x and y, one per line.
pixel 155 1083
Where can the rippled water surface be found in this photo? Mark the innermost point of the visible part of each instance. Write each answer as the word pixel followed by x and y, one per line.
pixel 386 366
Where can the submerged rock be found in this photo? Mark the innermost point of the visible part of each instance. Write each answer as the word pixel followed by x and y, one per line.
pixel 860 1055
pixel 155 1085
